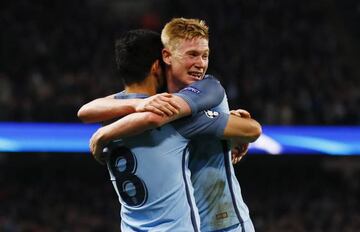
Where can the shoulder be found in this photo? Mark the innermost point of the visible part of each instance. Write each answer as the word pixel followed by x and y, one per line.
pixel 211 77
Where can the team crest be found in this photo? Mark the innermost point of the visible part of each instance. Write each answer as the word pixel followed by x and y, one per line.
pixel 211 114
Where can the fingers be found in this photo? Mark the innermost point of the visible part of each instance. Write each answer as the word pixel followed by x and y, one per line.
pixel 168 109
pixel 162 109
pixel 244 113
pixel 168 105
pixel 240 113
pixel 234 112
pixel 99 156
pixel 244 148
pixel 238 152
pixel 236 160
pixel 96 149
pixel 162 104
pixel 154 110
pixel 235 155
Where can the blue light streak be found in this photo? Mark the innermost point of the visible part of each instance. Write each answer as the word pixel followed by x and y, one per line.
pixel 74 137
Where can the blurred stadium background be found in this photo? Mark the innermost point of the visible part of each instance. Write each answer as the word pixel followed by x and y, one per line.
pixel 289 63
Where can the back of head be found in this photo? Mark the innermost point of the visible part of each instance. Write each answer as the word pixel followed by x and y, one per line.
pixel 182 28
pixel 135 52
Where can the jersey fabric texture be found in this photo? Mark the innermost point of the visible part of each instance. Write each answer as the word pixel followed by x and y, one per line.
pixel 216 189
pixel 150 171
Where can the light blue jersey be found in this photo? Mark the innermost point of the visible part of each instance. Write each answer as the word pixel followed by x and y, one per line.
pixel 216 189
pixel 150 171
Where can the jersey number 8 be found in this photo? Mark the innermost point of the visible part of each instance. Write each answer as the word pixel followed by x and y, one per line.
pixel 123 164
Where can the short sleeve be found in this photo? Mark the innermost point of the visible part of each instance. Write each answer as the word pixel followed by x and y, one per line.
pixel 203 94
pixel 205 123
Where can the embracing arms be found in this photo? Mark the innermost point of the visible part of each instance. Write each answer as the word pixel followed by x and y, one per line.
pixel 240 130
pixel 107 108
pixel 163 108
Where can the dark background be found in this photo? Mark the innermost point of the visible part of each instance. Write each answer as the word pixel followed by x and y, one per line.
pixel 287 62
pixel 71 192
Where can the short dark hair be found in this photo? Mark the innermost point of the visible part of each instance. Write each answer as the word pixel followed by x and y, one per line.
pixel 135 52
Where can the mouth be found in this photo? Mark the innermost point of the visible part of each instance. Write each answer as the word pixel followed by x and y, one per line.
pixel 196 75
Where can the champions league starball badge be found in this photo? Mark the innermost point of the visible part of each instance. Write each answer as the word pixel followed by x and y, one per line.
pixel 211 114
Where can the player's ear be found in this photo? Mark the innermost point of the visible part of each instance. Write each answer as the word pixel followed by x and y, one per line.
pixel 155 68
pixel 166 55
pixel 157 73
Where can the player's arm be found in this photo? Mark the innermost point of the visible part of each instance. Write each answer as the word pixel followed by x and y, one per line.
pixel 132 124
pixel 127 126
pixel 239 149
pixel 221 125
pixel 199 96
pixel 242 130
pixel 191 99
pixel 104 109
pixel 139 122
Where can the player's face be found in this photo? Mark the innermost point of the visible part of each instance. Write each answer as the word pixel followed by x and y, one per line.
pixel 189 61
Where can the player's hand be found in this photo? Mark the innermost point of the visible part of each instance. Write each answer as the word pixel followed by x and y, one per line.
pixel 161 104
pixel 238 152
pixel 96 146
pixel 240 113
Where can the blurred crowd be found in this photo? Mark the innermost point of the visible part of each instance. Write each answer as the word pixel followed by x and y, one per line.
pixel 302 194
pixel 39 195
pixel 287 62
pixel 288 194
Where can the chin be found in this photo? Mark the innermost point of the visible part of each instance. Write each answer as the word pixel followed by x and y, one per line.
pixel 189 82
pixel 191 79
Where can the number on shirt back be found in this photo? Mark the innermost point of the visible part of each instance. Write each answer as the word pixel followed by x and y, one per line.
pixel 123 166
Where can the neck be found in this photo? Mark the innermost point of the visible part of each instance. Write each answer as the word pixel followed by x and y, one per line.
pixel 148 86
pixel 172 85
